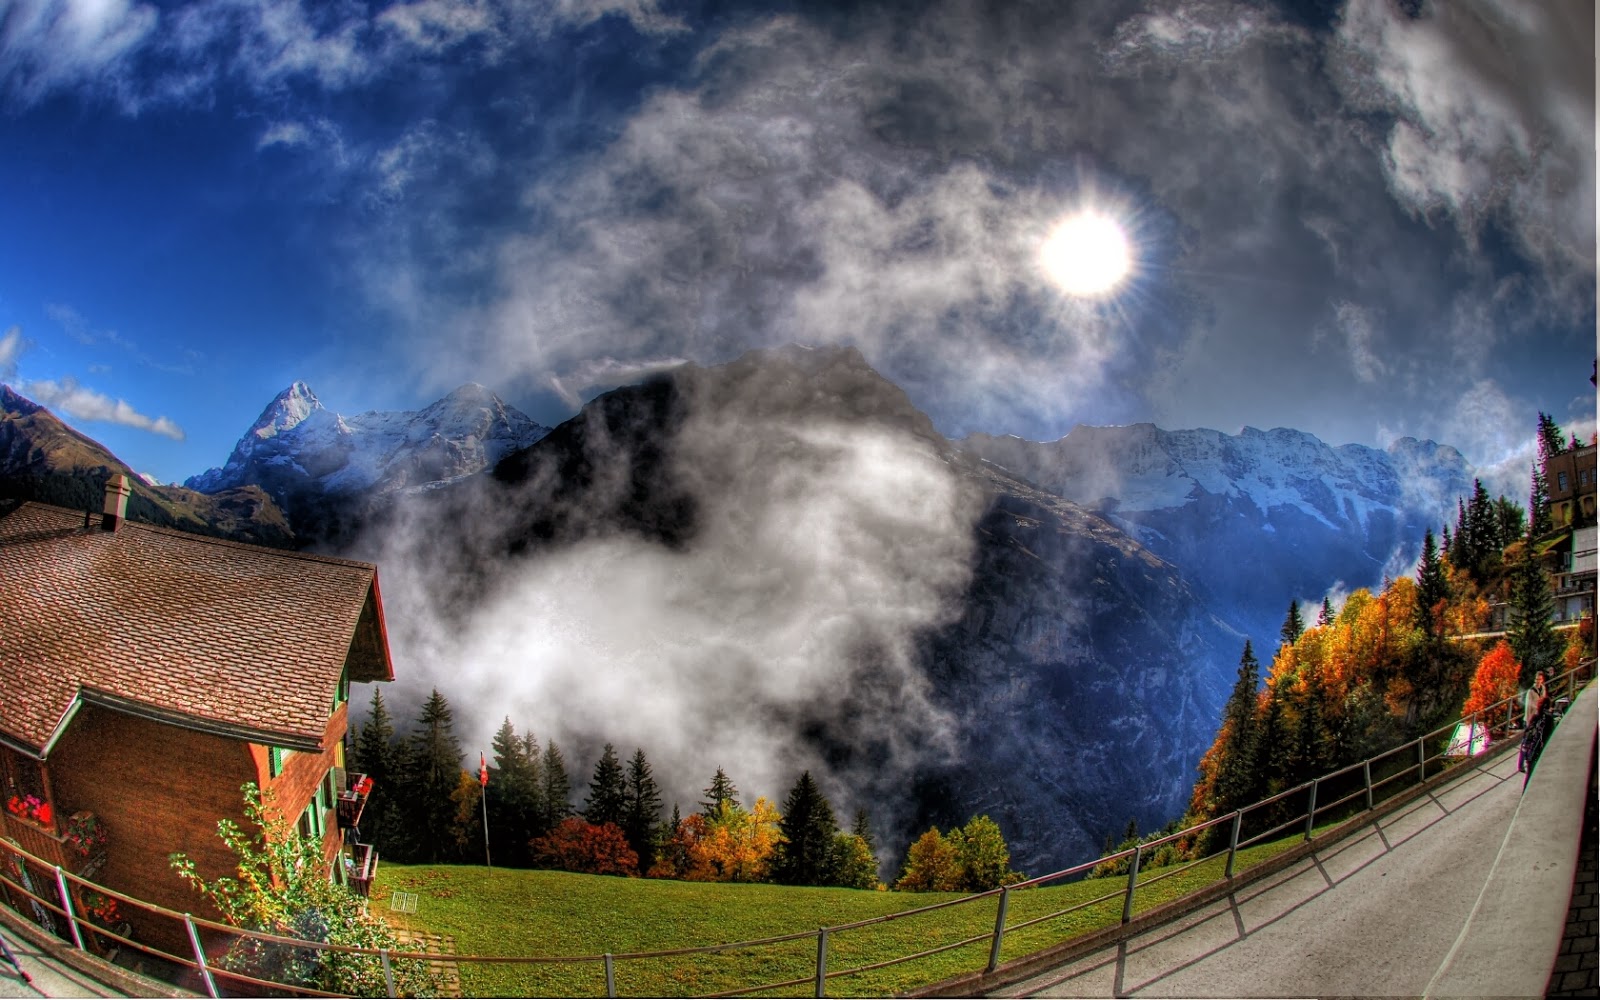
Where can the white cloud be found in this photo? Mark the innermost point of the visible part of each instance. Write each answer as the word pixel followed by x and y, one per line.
pixel 47 45
pixel 605 373
pixel 10 350
pixel 84 403
pixel 1357 325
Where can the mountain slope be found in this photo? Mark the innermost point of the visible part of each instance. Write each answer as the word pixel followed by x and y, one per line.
pixel 819 577
pixel 321 466
pixel 42 458
pixel 1252 519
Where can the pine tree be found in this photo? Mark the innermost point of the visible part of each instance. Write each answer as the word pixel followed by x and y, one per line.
pixel 1325 617
pixel 1236 779
pixel 719 791
pixel 643 813
pixel 1460 550
pixel 863 829
pixel 375 755
pixel 608 795
pixel 1539 523
pixel 1510 523
pixel 1431 586
pixel 1293 625
pixel 435 773
pixel 808 827
pixel 1528 626
pixel 1312 742
pixel 556 802
pixel 1551 441
pixel 513 796
pixel 1481 533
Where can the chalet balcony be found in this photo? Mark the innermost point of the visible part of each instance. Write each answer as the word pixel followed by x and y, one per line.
pixel 353 800
pixel 77 845
pixel 361 865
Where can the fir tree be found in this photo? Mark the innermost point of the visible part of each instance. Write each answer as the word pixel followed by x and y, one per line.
pixel 1444 543
pixel 719 791
pixel 1325 616
pixel 556 802
pixel 1539 523
pixel 1293 625
pixel 375 755
pixel 1431 586
pixel 808 827
pixel 1460 554
pixel 1481 532
pixel 513 796
pixel 435 773
pixel 643 814
pixel 1528 627
pixel 608 794
pixel 863 829
pixel 1550 437
pixel 1236 779
pixel 1510 524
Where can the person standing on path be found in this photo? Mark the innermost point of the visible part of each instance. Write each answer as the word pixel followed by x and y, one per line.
pixel 1535 726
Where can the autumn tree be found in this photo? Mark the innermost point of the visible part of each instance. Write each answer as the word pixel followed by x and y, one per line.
pixel 982 856
pixel 1495 679
pixel 608 792
pixel 852 862
pixel 466 822
pixel 808 827
pixel 931 865
pixel 576 845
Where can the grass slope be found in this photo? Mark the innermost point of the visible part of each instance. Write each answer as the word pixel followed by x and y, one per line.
pixel 508 912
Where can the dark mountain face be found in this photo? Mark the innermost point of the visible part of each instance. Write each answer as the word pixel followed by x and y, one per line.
pixel 826 582
pixel 43 459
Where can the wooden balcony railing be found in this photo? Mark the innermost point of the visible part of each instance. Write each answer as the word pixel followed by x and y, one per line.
pixel 47 845
pixel 353 800
pixel 360 867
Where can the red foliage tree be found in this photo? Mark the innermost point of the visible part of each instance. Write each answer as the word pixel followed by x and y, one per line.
pixel 579 846
pixel 1496 679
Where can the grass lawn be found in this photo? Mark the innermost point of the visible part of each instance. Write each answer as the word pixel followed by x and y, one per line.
pixel 509 912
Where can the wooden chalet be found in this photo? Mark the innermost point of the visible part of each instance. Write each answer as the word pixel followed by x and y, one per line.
pixel 146 674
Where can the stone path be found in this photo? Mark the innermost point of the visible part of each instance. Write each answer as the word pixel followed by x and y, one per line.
pixel 446 974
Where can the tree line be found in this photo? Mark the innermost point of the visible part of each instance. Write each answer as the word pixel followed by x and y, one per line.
pixel 425 807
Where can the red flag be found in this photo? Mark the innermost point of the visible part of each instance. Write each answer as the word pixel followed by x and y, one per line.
pixel 483 770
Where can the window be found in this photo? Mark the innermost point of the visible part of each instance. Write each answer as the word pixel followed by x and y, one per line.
pixel 275 758
pixel 1561 481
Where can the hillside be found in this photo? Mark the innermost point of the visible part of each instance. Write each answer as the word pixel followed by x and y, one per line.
pixel 43 459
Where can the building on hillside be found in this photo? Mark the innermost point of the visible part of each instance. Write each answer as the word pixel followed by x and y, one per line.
pixel 1570 477
pixel 147 674
pixel 1573 583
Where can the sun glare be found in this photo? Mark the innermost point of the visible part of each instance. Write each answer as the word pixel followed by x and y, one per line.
pixel 1087 255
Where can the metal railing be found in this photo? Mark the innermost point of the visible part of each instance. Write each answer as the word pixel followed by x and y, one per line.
pixel 49 890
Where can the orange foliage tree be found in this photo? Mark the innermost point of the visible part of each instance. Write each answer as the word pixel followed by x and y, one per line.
pixel 1495 680
pixel 734 845
pixel 576 845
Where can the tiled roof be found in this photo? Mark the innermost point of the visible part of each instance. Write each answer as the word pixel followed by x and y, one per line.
pixel 194 629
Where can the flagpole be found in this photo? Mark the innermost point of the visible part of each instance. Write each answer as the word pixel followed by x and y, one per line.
pixel 483 782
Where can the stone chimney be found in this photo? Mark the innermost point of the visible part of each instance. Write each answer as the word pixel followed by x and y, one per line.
pixel 117 492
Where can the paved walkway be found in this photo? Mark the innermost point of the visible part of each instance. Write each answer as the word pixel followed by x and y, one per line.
pixel 50 978
pixel 1400 908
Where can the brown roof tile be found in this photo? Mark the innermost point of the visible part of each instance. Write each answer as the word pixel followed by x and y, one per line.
pixel 232 634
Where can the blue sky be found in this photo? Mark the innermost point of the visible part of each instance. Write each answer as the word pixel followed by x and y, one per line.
pixel 1362 220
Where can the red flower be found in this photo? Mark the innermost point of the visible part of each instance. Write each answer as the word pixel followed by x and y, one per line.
pixel 44 814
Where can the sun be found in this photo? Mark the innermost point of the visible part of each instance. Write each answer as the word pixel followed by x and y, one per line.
pixel 1087 255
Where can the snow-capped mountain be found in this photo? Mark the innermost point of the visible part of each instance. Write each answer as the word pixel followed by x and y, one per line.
pixel 298 447
pixel 1257 518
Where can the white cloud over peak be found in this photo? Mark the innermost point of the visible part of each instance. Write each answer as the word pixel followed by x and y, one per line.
pixel 83 403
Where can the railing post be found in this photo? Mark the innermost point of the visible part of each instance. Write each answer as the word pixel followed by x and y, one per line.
pixel 1422 758
pixel 999 930
pixel 66 905
pixel 388 973
pixel 611 975
pixel 1311 808
pixel 1133 875
pixel 200 957
pixel 1233 843
pixel 822 961
pixel 1472 734
pixel 1366 776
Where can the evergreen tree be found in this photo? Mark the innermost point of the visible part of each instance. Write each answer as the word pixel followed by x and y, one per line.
pixel 1236 778
pixel 1325 617
pixel 1293 625
pixel 1481 532
pixel 643 815
pixel 1539 523
pixel 1444 543
pixel 435 773
pixel 863 829
pixel 608 794
pixel 1312 753
pixel 513 796
pixel 375 755
pixel 556 802
pixel 719 791
pixel 1460 554
pixel 808 827
pixel 1431 586
pixel 1509 522
pixel 1528 627
pixel 1269 751
pixel 1550 437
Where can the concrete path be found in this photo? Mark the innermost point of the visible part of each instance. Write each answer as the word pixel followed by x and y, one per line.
pixel 50 978
pixel 1382 912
